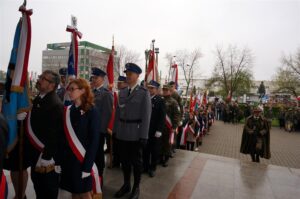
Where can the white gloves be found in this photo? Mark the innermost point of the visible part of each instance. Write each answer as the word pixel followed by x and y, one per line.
pixel 157 134
pixel 85 174
pixel 45 163
pixel 21 116
pixel 57 169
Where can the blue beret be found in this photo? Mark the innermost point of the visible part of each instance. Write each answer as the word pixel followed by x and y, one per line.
pixel 98 72
pixel 153 83
pixel 62 71
pixel 133 68
pixel 121 79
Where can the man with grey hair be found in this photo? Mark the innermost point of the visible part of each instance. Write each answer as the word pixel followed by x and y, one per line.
pixel 45 132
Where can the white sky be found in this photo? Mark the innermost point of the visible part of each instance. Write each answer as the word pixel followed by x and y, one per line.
pixel 268 27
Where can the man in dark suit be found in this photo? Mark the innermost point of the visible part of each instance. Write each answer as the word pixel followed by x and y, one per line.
pixel 157 122
pixel 131 128
pixel 45 132
pixel 104 104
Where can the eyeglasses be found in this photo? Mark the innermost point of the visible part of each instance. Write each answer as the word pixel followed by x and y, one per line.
pixel 42 77
pixel 71 89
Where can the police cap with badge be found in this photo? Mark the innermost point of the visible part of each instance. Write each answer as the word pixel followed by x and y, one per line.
pixel 62 71
pixel 121 79
pixel 153 84
pixel 131 67
pixel 98 72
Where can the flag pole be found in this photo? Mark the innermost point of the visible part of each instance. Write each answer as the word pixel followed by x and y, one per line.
pixel 111 87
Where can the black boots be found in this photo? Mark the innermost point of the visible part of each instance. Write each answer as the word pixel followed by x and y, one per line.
pixel 123 190
pixel 135 193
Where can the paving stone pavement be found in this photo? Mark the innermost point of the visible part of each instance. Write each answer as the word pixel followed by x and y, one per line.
pixel 225 140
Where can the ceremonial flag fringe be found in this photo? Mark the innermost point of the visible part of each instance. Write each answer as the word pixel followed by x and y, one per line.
pixel 16 99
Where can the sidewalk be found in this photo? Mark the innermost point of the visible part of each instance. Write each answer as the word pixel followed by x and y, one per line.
pixel 197 175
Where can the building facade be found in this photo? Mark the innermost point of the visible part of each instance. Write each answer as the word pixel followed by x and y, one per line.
pixel 89 55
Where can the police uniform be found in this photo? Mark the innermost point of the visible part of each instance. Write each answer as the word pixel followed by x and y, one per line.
pixel 104 104
pixel 157 122
pixel 131 130
pixel 61 90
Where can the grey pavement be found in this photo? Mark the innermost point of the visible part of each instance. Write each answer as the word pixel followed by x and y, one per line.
pixel 225 140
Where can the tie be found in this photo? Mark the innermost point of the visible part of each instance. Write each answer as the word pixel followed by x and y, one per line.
pixel 129 91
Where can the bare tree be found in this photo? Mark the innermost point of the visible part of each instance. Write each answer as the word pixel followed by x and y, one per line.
pixel 125 56
pixel 189 63
pixel 287 77
pixel 288 81
pixel 233 69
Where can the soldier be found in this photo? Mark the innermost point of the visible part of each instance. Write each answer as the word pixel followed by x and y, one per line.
pixel 172 121
pixel 256 137
pixel 131 128
pixel 45 132
pixel 61 89
pixel 176 96
pixel 157 122
pixel 104 104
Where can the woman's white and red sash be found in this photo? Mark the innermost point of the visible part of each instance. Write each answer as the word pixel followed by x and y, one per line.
pixel 169 127
pixel 3 186
pixel 78 150
pixel 32 137
pixel 187 129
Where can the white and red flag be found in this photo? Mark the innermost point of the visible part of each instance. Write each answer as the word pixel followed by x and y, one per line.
pixel 73 52
pixel 151 73
pixel 110 76
pixel 174 74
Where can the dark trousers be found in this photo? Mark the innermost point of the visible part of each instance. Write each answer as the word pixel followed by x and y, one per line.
pixel 116 154
pixel 131 156
pixel 108 143
pixel 190 146
pixel 45 184
pixel 100 155
pixel 151 154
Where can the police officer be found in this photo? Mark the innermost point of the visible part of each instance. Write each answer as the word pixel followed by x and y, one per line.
pixel 104 104
pixel 152 151
pixel 131 128
pixel 121 83
pixel 61 89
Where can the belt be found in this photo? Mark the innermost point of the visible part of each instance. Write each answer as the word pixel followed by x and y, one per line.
pixel 130 121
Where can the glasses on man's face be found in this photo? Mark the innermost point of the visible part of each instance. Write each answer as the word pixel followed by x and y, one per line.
pixel 43 78
pixel 71 89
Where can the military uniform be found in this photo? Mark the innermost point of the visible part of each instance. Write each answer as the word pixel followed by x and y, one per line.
pixel 256 138
pixel 172 110
pixel 61 90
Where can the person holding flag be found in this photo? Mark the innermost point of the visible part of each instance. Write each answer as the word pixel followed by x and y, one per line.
pixel 16 102
pixel 172 121
pixel 104 104
pixel 3 142
pixel 158 114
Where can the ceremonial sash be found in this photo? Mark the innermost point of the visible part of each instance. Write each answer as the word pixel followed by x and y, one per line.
pixel 32 137
pixel 78 150
pixel 3 187
pixel 169 127
pixel 187 129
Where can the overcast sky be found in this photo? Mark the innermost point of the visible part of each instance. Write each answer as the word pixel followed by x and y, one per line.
pixel 268 27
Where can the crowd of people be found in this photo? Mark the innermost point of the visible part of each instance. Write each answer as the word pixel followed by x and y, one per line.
pixel 69 125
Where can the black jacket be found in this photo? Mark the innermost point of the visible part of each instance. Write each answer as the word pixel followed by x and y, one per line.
pixel 3 140
pixel 158 115
pixel 47 124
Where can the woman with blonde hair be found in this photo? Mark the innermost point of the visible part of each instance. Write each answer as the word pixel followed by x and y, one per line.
pixel 79 173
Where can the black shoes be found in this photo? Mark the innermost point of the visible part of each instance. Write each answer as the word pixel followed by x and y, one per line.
pixel 124 190
pixel 151 173
pixel 135 193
